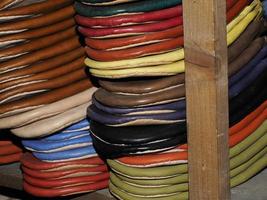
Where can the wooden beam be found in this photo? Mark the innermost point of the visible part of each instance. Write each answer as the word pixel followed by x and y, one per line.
pixel 207 98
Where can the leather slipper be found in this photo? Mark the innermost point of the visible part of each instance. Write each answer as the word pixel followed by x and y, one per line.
pixel 122 20
pixel 66 155
pixel 62 174
pixel 122 120
pixel 66 182
pixel 29 161
pixel 131 7
pixel 43 146
pixel 42 192
pixel 57 122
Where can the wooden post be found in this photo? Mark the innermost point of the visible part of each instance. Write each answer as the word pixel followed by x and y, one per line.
pixel 207 98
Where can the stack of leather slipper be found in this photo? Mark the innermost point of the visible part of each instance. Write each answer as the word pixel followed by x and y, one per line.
pixel 10 149
pixel 120 44
pixel 64 163
pixel 136 52
pixel 132 38
pixel 59 114
pixel 165 175
pixel 44 89
pixel 141 131
pixel 122 105
pixel 41 65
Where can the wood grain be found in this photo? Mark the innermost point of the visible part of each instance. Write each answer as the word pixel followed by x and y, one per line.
pixel 207 98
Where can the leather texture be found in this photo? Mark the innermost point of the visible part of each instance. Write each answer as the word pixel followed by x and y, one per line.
pixel 5 4
pixel 60 141
pixel 23 105
pixel 243 103
pixel 259 97
pixel 41 65
pixel 150 71
pixel 136 135
pixel 254 29
pixel 61 174
pixel 130 30
pixel 35 8
pixel 253 143
pixel 245 56
pixel 245 92
pixel 29 161
pixel 164 58
pixel 42 192
pixel 57 122
pixel 132 19
pixel 108 150
pixel 62 145
pixel 141 86
pixel 64 178
pixel 10 150
pixel 236 160
pixel 37 22
pixel 48 52
pixel 73 154
pixel 56 146
pixel 149 85
pixel 42 76
pixel 48 64
pixel 133 41
pixel 20 37
pixel 59 167
pixel 62 135
pixel 164 108
pixel 11 158
pixel 131 7
pixel 7 96
pixel 106 69
pixel 123 20
pixel 135 52
pixel 237 165
pixel 137 119
pixel 126 40
pixel 256 62
pixel 244 82
pixel 122 105
pixel 36 44
pixel 105 2
pixel 67 182
pixel 125 101
pixel 252 132
pixel 82 125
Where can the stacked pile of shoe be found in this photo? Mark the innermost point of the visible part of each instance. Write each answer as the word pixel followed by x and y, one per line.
pixel 45 89
pixel 10 149
pixel 135 49
pixel 41 62
pixel 64 163
pixel 138 120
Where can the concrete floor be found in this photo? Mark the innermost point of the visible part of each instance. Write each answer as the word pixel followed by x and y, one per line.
pixel 254 189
